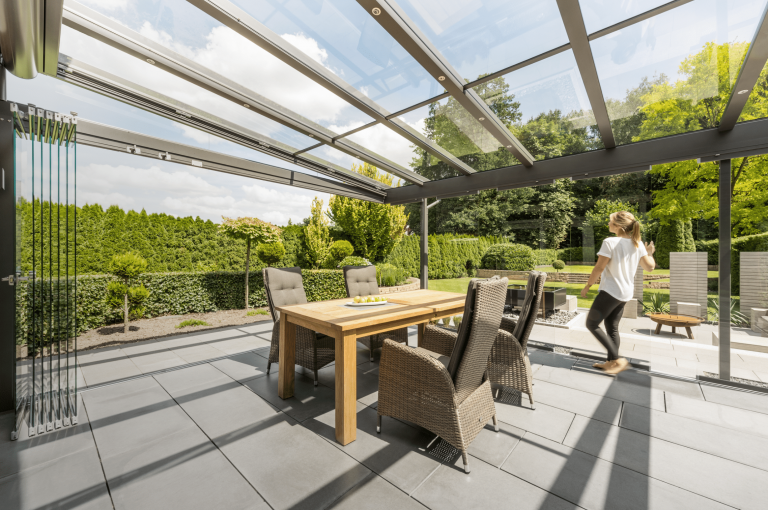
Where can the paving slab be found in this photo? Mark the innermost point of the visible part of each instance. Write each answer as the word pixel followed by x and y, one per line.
pixel 725 416
pixel 550 359
pixel 751 401
pixel 593 483
pixel 367 381
pixel 546 421
pixel 308 400
pixel 107 371
pixel 576 401
pixel 713 477
pixel 242 367
pixel 374 493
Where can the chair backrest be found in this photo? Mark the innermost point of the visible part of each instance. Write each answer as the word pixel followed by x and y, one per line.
pixel 489 299
pixel 464 328
pixel 284 287
pixel 534 310
pixel 360 280
pixel 525 309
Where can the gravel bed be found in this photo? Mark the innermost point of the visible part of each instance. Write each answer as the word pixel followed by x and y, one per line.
pixel 750 382
pixel 560 317
pixel 158 327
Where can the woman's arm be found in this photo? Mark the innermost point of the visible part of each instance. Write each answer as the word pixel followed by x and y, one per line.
pixel 647 262
pixel 596 272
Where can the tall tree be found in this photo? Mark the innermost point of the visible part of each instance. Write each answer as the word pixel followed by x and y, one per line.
pixel 317 235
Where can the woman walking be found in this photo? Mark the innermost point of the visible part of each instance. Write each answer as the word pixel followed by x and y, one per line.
pixel 617 263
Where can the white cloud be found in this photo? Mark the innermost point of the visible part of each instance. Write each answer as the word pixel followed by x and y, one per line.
pixel 308 46
pixel 384 141
pixel 194 134
pixel 107 5
pixel 104 178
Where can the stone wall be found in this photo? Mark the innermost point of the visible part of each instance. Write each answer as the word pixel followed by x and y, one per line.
pixel 413 284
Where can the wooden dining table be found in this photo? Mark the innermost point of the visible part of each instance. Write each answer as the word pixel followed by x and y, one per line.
pixel 346 324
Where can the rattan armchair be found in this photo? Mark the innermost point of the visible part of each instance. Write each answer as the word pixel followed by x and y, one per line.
pixel 361 281
pixel 447 395
pixel 314 350
pixel 508 364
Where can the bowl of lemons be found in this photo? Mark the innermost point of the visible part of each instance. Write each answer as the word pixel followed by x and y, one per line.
pixel 368 301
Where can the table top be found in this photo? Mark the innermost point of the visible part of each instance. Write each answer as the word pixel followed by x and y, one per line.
pixel 674 320
pixel 402 305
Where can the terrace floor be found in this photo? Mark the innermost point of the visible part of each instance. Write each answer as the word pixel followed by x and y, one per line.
pixel 195 422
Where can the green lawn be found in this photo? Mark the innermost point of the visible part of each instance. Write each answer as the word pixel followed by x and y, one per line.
pixel 588 269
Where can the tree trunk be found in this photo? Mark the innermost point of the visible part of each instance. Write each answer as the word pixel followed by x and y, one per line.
pixel 125 313
pixel 247 264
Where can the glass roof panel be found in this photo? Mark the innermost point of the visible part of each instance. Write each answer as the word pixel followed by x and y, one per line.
pixel 757 106
pixel 386 142
pixel 114 61
pixel 185 29
pixel 673 73
pixel 347 40
pixel 547 105
pixel 482 37
pixel 342 159
pixel 599 14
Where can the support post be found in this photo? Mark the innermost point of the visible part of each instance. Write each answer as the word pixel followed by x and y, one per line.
pixel 7 261
pixel 424 244
pixel 724 287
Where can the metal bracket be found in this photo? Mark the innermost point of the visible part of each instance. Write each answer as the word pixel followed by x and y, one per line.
pixel 132 149
pixel 10 279
pixel 164 155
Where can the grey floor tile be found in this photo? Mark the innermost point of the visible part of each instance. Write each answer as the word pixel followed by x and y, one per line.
pixel 257 327
pixel 730 444
pixel 122 419
pixel 243 366
pixel 642 379
pixel 108 371
pixel 712 477
pixel 291 466
pixel 152 362
pixel 374 493
pixel 308 400
pixel 484 488
pixel 399 454
pixel 241 344
pixel 194 354
pixel 725 416
pixel 76 481
pixel 751 401
pixel 545 420
pixel 191 380
pixel 494 447
pixel 593 483
pixel 367 381
pixel 550 359
pixel 182 470
pixel 576 401
pixel 630 390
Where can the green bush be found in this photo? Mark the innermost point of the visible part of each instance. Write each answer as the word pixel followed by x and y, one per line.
pixel 677 236
pixel 270 253
pixel 253 313
pixel 571 254
pixel 558 265
pixel 450 256
pixel 341 249
pixel 546 257
pixel 191 322
pixel 513 257
pixel 389 276
pixel 756 242
pixel 353 261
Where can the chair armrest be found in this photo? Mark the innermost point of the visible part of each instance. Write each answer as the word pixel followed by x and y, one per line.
pixel 438 340
pixel 411 371
pixel 508 324
pixel 506 349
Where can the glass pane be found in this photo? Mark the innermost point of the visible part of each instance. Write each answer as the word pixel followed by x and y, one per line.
pixel 673 73
pixel 479 38
pixel 347 40
pixel 333 155
pixel 109 59
pixel 548 106
pixel 383 140
pixel 185 29
pixel 756 107
pixel 599 14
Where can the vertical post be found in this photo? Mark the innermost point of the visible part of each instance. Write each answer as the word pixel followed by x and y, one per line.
pixel 424 244
pixel 3 77
pixel 724 287
pixel 7 261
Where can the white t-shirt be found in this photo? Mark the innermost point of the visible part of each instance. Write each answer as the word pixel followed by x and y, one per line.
pixel 618 278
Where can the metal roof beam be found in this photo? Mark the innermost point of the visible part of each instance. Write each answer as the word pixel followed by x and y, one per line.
pixel 753 65
pixel 100 27
pixel 570 12
pixel 389 15
pixel 120 140
pixel 747 138
pixel 244 24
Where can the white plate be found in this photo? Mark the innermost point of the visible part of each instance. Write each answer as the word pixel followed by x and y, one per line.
pixel 352 303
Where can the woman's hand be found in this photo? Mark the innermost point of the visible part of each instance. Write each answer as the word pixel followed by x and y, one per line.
pixel 650 248
pixel 584 292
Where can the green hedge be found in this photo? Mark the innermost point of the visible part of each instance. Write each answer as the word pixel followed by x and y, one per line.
pixel 756 242
pixel 170 294
pixel 677 236
pixel 450 256
pixel 509 256
pixel 571 254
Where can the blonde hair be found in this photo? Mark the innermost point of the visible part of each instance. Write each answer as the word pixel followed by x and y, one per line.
pixel 627 222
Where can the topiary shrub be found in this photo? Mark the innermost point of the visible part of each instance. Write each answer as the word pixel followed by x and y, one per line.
pixel 270 253
pixel 558 265
pixel 341 250
pixel 676 236
pixel 354 261
pixel 509 256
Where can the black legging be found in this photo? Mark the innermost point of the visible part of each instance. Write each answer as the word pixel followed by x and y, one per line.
pixel 609 309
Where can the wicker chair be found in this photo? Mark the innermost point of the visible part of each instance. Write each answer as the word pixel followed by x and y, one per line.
pixel 508 364
pixel 361 281
pixel 447 395
pixel 313 350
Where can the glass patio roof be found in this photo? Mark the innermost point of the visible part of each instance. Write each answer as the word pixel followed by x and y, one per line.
pixel 431 89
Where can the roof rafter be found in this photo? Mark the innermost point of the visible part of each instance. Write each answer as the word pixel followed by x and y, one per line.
pixel 389 15
pixel 570 12
pixel 753 65
pixel 100 27
pixel 241 22
pixel 91 78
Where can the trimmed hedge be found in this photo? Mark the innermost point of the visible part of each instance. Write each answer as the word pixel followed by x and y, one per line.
pixel 756 242
pixel 512 257
pixel 677 236
pixel 450 256
pixel 571 254
pixel 170 294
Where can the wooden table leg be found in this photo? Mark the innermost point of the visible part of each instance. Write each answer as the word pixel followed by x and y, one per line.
pixel 346 387
pixel 674 330
pixel 658 328
pixel 420 336
pixel 287 360
pixel 690 333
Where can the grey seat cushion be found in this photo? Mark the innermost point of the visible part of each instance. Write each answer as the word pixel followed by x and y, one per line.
pixel 284 287
pixel 361 281
pixel 525 310
pixel 464 330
